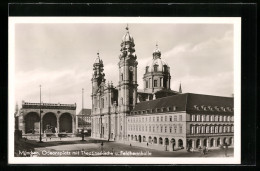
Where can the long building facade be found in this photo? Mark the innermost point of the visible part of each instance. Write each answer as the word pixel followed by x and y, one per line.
pixel 124 113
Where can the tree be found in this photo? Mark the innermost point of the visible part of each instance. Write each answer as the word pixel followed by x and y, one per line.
pixel 165 93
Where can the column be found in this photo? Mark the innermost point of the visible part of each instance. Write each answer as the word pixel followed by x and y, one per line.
pixel 208 142
pixel 214 143
pixel 58 124
pixel 201 142
pixel 193 143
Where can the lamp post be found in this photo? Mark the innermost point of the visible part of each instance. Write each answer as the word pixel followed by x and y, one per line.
pixel 40 118
pixel 82 115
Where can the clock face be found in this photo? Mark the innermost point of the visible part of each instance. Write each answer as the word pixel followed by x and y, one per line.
pixel 130 68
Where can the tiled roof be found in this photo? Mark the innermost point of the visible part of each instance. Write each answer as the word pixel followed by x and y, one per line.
pixel 85 112
pixel 189 102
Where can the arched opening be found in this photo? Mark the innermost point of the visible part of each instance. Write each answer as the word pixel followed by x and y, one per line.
pixel 230 141
pixel 224 140
pixel 155 140
pixel 32 123
pixel 205 142
pixel 144 139
pixel 66 123
pixel 150 139
pixel 180 143
pixel 166 141
pixel 189 143
pixel 139 138
pixel 112 136
pixel 49 123
pixel 218 142
pixel 132 137
pixel 160 141
pixel 197 143
pixel 173 143
pixel 128 137
pixel 211 142
pixel 135 137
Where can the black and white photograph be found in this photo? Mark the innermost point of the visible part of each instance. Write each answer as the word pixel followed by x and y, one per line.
pixel 124 90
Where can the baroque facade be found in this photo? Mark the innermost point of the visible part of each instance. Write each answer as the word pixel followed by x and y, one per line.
pixel 125 113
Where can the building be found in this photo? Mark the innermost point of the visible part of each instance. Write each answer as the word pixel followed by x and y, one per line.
pixel 56 118
pixel 124 113
pixel 183 120
pixel 85 116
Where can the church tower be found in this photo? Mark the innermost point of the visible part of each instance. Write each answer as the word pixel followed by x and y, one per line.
pixel 157 74
pixel 127 87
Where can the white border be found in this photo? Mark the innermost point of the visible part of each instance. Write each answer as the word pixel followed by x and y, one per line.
pixel 236 21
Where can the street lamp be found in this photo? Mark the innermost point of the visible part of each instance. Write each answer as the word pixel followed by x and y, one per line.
pixel 82 115
pixel 40 118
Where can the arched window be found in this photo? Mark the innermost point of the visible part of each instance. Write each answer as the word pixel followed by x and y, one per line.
pixel 155 68
pixel 203 118
pixel 102 103
pixel 198 129
pixel 203 129
pixel 180 129
pixel 228 118
pixel 224 118
pixel 220 129
pixel 224 129
pixel 216 118
pixel 192 129
pixel 198 117
pixel 212 129
pixel 207 129
pixel 212 118
pixel 207 117
pixel 220 118
pixel 216 129
pixel 170 129
pixel 232 128
pixel 155 83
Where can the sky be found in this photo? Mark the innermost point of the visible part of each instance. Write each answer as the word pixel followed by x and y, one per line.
pixel 60 56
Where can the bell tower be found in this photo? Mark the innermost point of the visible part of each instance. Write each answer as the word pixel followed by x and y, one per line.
pixel 98 79
pixel 127 87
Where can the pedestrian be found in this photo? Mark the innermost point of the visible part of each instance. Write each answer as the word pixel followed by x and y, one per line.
pixel 130 145
pixel 147 144
pixel 204 150
pixel 226 148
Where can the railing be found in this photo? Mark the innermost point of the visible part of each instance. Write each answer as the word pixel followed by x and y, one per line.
pixel 211 134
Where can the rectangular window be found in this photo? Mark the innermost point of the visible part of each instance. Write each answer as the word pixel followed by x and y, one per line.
pixel 149 82
pixel 165 119
pixel 155 83
pixel 146 82
pixel 180 129
pixel 155 68
pixel 161 80
pixel 161 128
pixel 165 129
pixel 157 118
pixel 175 118
pixel 180 118
pixel 161 118
pixel 170 118
pixel 170 129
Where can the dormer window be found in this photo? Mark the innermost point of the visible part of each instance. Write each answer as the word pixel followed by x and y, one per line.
pixel 146 69
pixel 217 108
pixel 174 108
pixel 155 68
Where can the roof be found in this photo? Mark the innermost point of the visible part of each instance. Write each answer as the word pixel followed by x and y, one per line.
pixel 189 102
pixel 85 112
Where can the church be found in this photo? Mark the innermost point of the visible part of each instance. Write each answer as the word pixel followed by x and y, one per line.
pixel 126 113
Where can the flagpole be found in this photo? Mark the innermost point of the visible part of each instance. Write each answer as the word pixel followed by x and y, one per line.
pixel 40 116
pixel 82 114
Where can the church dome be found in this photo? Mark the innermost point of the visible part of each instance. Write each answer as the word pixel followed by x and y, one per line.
pixel 157 64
